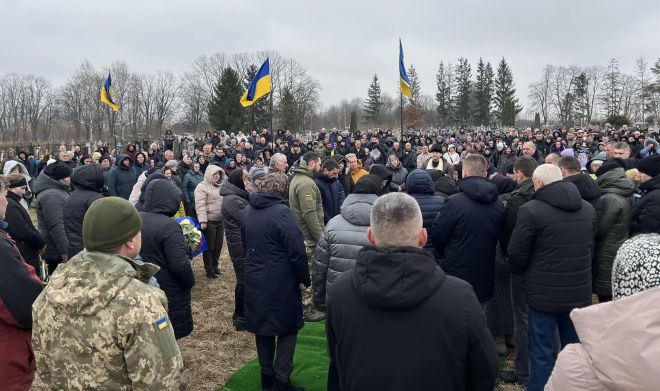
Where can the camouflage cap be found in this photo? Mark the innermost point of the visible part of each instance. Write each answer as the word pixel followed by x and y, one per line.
pixel 109 223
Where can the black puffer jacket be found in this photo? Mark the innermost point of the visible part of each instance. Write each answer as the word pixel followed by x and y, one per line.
pixel 234 202
pixel 465 234
pixel 613 226
pixel 417 328
pixel 88 181
pixel 589 191
pixel 552 245
pixel 163 245
pixel 342 239
pixel 646 214
pixel 121 179
pixel 21 229
pixel 51 198
pixel 420 186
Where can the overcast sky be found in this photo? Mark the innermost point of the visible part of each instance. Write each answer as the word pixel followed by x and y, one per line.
pixel 341 43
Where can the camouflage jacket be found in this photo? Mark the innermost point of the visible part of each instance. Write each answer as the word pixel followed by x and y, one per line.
pixel 98 325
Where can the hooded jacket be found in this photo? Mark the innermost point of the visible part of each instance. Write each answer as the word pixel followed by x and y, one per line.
pixel 552 245
pixel 417 328
pixel 51 199
pixel 208 201
pixel 589 191
pixel 646 214
pixel 306 204
pixel 22 230
pixel 340 243
pixel 163 245
pixel 619 347
pixel 613 226
pixel 234 202
pixel 275 266
pixel 465 233
pixel 140 203
pixel 190 182
pixel 95 327
pixel 88 182
pixel 121 179
pixel 420 186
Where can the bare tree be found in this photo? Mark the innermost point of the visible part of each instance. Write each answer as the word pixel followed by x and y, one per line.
pixel 539 92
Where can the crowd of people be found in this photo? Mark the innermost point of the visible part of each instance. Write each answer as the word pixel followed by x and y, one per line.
pixel 427 254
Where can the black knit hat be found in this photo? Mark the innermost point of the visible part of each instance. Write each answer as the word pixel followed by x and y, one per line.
pixel 609 165
pixel 17 182
pixel 650 165
pixel 368 184
pixel 58 170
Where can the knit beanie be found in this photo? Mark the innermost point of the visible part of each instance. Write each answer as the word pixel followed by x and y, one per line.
pixel 171 164
pixel 58 170
pixel 610 164
pixel 16 180
pixel 636 267
pixel 277 183
pixel 650 165
pixel 236 178
pixel 109 223
pixel 368 184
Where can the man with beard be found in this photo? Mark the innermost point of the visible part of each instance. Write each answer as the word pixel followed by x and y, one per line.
pixel 306 204
pixel 325 182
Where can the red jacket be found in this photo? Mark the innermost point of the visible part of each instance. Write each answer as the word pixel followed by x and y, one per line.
pixel 19 287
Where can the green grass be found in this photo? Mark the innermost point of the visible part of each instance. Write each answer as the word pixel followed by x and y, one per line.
pixel 310 364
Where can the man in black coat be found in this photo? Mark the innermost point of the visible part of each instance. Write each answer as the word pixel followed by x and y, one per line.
pixel 163 245
pixel 552 246
pixel 325 182
pixel 466 230
pixel 416 327
pixel 88 182
pixel 571 171
pixel 420 186
pixel 22 230
pixel 646 214
pixel 276 273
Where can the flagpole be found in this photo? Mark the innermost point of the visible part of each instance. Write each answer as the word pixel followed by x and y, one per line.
pixel 272 131
pixel 401 112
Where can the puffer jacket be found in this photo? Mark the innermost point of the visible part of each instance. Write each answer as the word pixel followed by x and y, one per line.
pixel 51 198
pixel 208 201
pixel 646 214
pixel 88 182
pixel 420 186
pixel 190 182
pixel 342 239
pixel 121 179
pixel 613 226
pixel 589 191
pixel 163 245
pixel 619 347
pixel 234 202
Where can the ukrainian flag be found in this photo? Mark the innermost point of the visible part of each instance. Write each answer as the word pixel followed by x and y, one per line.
pixel 106 94
pixel 259 86
pixel 404 81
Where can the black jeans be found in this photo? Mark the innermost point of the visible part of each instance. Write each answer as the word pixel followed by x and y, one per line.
pixel 239 294
pixel 52 264
pixel 276 355
pixel 215 236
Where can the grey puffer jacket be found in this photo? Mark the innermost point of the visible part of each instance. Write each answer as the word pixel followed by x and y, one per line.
pixel 51 199
pixel 342 239
pixel 613 226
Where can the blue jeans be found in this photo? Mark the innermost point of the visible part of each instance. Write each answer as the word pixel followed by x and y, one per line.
pixel 542 344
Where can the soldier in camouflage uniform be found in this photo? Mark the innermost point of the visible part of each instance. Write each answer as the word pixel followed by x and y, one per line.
pixel 98 325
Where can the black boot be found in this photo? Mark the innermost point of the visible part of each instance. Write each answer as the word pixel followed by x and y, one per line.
pixel 282 386
pixel 266 382
pixel 239 324
pixel 211 275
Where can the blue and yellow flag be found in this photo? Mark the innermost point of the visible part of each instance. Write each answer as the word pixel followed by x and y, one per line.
pixel 332 153
pixel 259 86
pixel 404 81
pixel 106 94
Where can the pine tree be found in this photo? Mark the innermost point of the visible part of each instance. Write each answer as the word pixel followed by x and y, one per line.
pixel 581 98
pixel 415 87
pixel 509 113
pixel 443 96
pixel 462 97
pixel 374 103
pixel 353 126
pixel 612 89
pixel 287 110
pixel 225 109
pixel 537 121
pixel 483 91
pixel 505 89
pixel 257 116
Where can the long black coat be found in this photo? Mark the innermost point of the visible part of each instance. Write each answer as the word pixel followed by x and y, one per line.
pixel 122 179
pixel 275 265
pixel 646 214
pixel 234 202
pixel 51 198
pixel 88 182
pixel 28 239
pixel 163 245
pixel 552 245
pixel 330 198
pixel 420 186
pixel 466 231
pixel 416 327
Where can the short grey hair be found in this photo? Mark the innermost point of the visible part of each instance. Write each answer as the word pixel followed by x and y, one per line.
pixel 547 173
pixel 276 158
pixel 396 220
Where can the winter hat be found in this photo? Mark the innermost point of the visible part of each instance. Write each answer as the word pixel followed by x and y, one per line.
pixel 275 183
pixel 650 165
pixel 610 165
pixel 58 170
pixel 171 164
pixel 568 152
pixel 636 267
pixel 236 178
pixel 601 156
pixel 436 148
pixel 16 180
pixel 256 174
pixel 368 184
pixel 109 223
